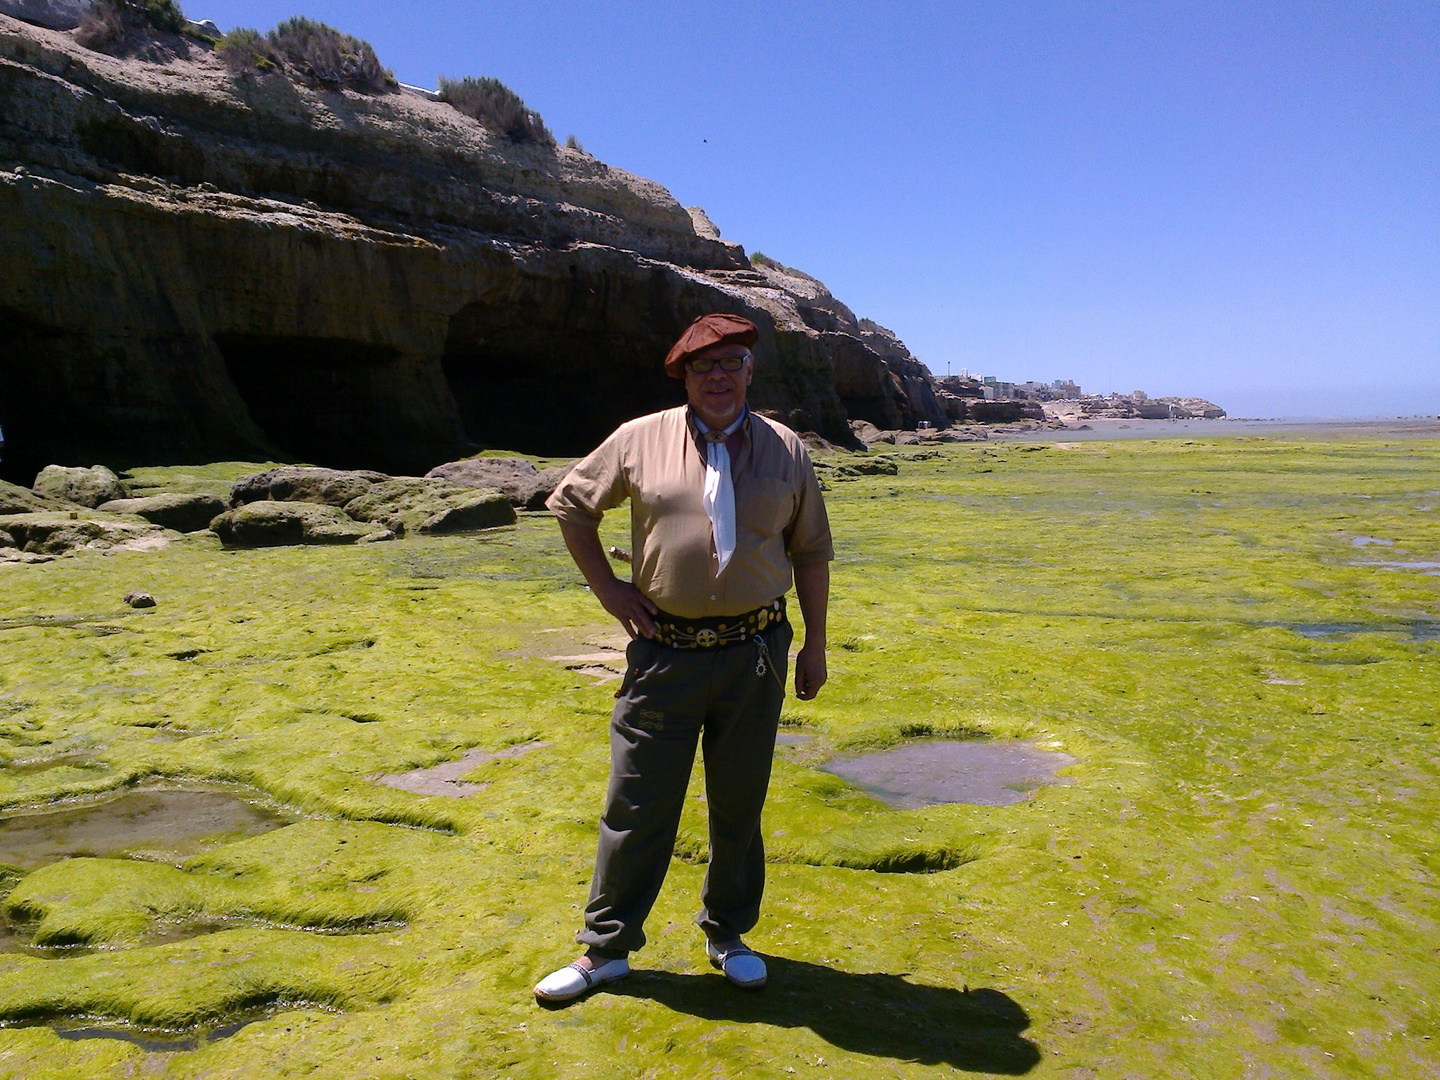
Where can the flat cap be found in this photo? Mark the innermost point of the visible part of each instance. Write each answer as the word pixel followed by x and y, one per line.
pixel 716 328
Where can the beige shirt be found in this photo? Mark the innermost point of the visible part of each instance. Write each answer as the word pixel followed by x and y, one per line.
pixel 658 463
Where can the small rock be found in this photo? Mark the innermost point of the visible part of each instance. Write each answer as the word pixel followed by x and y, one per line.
pixel 87 487
pixel 139 599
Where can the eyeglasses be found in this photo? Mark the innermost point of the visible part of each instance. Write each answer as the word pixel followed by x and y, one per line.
pixel 705 365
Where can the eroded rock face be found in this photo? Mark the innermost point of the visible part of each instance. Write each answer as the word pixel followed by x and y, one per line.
pixel 81 486
pixel 203 267
pixel 276 524
pixel 54 14
pixel 526 486
pixel 429 505
pixel 183 513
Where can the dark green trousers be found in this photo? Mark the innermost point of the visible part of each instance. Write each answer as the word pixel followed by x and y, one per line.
pixel 671 701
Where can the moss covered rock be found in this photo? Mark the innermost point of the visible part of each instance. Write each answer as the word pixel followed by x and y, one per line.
pixel 303 483
pixel 428 505
pixel 183 513
pixel 56 532
pixel 852 468
pixel 276 524
pixel 15 499
pixel 87 487
pixel 518 479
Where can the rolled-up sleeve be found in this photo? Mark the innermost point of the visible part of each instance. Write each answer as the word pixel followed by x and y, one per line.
pixel 807 540
pixel 597 483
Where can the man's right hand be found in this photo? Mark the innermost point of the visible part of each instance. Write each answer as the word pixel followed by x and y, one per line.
pixel 628 604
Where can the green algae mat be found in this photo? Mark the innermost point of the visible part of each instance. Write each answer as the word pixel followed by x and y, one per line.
pixel 1237 640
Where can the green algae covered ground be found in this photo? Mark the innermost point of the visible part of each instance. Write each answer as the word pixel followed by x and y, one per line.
pixel 1238 881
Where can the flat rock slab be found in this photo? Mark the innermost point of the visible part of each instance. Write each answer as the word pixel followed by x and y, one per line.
pixel 597 650
pixel 57 532
pixel 444 779
pixel 932 772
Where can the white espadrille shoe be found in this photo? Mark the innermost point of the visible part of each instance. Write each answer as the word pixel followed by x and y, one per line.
pixel 576 979
pixel 741 966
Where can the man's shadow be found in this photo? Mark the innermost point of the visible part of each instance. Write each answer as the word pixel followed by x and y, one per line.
pixel 874 1014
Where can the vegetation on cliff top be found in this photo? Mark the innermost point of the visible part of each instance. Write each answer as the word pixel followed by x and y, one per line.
pixel 498 108
pixel 309 50
pixel 107 25
pixel 1240 877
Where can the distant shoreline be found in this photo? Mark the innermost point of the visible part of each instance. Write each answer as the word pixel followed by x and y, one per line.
pixel 1101 429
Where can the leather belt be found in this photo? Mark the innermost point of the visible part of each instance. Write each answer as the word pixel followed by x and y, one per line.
pixel 719 631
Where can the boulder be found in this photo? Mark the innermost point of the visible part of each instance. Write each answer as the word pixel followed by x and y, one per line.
pixel 6 540
pixel 183 513
pixel 432 505
pixel 51 14
pixel 303 483
pixel 139 599
pixel 516 478
pixel 15 499
pixel 87 487
pixel 52 533
pixel 276 524
pixel 865 431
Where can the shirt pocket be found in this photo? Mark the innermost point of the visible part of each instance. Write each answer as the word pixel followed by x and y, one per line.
pixel 766 506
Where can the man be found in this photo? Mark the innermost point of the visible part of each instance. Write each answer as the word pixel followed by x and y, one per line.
pixel 725 512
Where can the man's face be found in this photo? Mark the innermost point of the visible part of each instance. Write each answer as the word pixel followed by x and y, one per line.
pixel 717 396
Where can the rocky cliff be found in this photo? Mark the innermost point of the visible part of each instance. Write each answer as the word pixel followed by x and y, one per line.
pixel 200 265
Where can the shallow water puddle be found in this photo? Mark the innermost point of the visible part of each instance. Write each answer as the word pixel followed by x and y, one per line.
pixel 444 779
pixel 1431 569
pixel 1416 630
pixel 169 825
pixel 932 772
pixel 152 1041
pixel 793 738
pixel 79 762
pixel 161 1040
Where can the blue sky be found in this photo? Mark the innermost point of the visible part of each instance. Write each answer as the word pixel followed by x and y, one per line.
pixel 1236 200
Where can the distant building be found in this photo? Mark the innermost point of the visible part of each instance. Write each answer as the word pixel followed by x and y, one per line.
pixel 1067 388
pixel 1001 391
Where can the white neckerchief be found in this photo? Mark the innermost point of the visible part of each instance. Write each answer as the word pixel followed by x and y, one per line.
pixel 719 499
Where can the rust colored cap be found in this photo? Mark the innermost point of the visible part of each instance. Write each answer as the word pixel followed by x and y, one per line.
pixel 717 328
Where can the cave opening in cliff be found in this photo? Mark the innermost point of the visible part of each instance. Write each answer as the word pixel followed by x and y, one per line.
pixel 49 410
pixel 555 387
pixel 332 401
